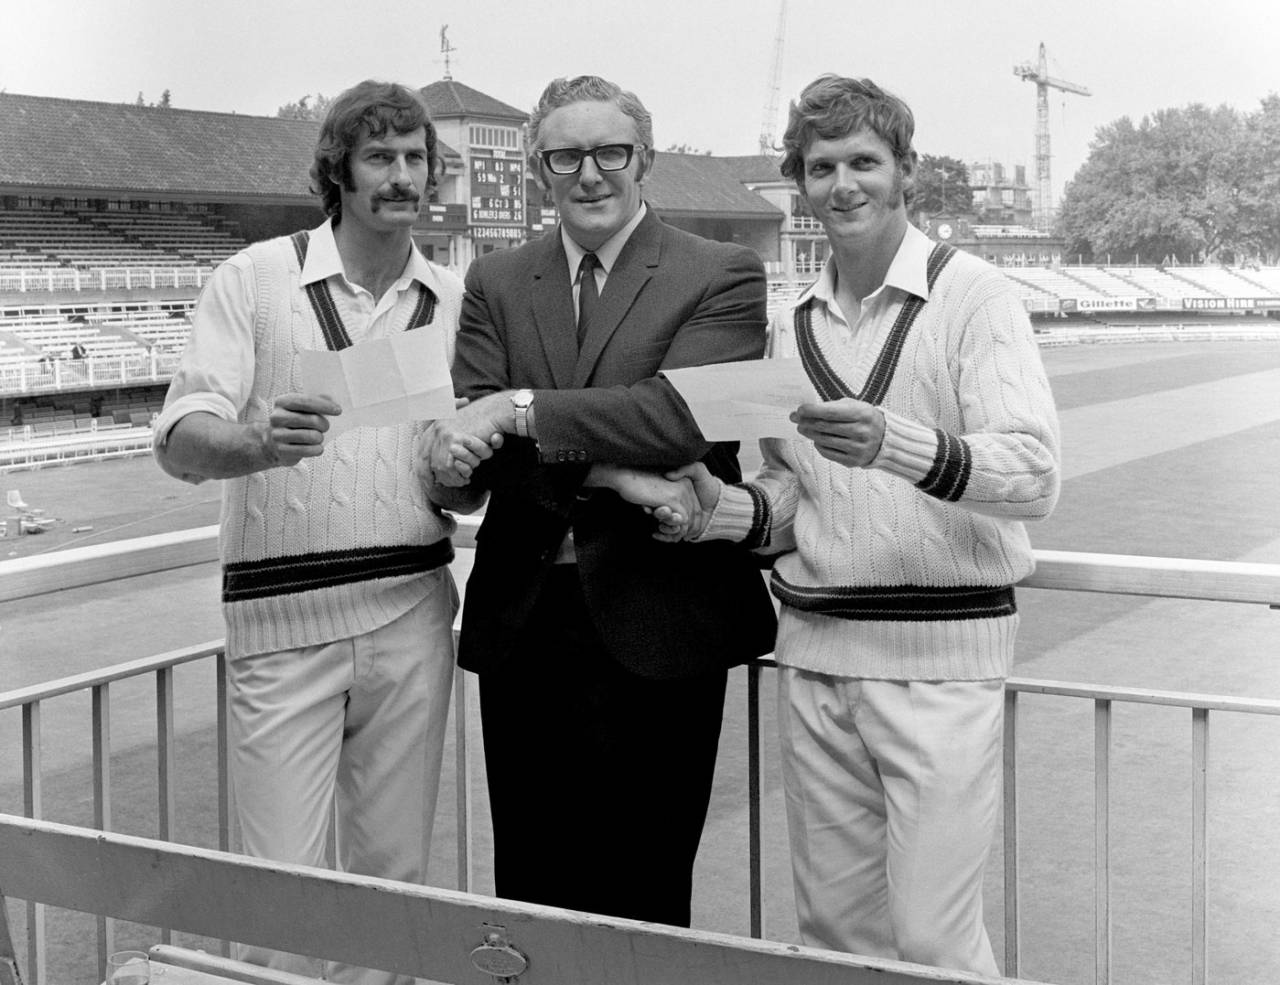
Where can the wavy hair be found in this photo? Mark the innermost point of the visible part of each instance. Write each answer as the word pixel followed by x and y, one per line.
pixel 368 109
pixel 589 88
pixel 834 106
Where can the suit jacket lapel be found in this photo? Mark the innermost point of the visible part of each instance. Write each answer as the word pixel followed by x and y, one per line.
pixel 553 310
pixel 630 273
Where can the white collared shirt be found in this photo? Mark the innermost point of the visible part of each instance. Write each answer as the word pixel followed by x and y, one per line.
pixel 907 273
pixel 607 254
pixel 357 306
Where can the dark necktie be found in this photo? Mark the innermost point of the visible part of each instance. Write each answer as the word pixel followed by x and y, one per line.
pixel 588 294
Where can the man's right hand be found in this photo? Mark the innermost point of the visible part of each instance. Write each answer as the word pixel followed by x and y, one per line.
pixel 706 487
pixel 670 499
pixel 296 428
pixel 455 446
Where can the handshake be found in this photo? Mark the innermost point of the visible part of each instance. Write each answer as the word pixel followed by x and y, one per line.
pixel 681 500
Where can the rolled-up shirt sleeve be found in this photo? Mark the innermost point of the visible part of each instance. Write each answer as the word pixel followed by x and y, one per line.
pixel 216 371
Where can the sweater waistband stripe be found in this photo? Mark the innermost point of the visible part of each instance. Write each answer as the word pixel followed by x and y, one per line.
pixel 898 603
pixel 243 580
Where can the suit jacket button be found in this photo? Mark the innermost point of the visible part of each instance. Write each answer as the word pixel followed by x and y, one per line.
pixel 560 456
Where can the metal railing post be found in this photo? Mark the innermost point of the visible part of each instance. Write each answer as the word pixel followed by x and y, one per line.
pixel 462 766
pixel 1012 915
pixel 33 806
pixel 1102 839
pixel 224 777
pixel 754 787
pixel 167 806
pixel 1199 845
pixel 102 802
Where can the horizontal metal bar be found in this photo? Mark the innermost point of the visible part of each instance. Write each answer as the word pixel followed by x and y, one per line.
pixel 1121 574
pixel 107 675
pixel 80 566
pixel 1212 581
pixel 1146 696
pixel 1178 699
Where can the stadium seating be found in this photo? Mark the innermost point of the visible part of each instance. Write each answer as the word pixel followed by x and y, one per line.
pixel 1265 277
pixel 85 240
pixel 1158 283
pixel 1104 282
pixel 1218 280
pixel 782 292
pixel 1056 282
pixel 129 331
pixel 140 271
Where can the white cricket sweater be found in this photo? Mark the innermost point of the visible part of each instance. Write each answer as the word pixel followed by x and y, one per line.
pixel 903 570
pixel 336 545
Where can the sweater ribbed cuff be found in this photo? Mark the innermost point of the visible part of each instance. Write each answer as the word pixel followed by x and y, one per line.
pixel 908 449
pixel 732 517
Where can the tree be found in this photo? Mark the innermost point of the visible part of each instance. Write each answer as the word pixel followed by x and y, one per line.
pixel 305 109
pixel 163 104
pixel 1173 185
pixel 687 149
pixel 1260 188
pixel 942 186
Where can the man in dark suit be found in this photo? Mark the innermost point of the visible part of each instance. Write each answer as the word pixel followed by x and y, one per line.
pixel 602 653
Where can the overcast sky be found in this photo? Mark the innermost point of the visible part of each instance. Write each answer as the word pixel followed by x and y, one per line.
pixel 702 67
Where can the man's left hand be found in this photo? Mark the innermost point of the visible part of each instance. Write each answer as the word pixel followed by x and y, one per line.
pixel 847 431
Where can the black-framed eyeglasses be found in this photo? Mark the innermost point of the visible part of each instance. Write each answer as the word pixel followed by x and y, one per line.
pixel 607 157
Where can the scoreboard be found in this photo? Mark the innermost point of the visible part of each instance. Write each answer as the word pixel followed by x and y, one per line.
pixel 497 187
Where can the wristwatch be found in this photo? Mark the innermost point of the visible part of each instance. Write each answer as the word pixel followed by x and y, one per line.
pixel 522 400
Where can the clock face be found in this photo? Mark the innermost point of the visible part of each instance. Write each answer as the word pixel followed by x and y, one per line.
pixel 944 230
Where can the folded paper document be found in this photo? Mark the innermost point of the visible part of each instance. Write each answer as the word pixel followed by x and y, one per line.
pixel 404 377
pixel 744 400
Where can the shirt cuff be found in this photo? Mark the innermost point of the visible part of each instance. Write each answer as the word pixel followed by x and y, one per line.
pixel 190 403
pixel 908 449
pixel 210 403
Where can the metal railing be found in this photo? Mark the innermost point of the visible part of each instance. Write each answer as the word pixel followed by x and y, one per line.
pixel 91 444
pixel 1226 582
pixel 34 374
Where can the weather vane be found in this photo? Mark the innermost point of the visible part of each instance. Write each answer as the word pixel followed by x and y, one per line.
pixel 446 48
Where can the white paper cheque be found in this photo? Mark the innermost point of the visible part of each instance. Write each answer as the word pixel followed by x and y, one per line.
pixel 404 377
pixel 744 400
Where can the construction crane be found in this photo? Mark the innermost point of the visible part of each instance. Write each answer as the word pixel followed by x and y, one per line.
pixel 1039 74
pixel 768 126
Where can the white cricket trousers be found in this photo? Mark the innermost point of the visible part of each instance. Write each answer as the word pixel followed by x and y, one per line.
pixel 892 790
pixel 357 726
